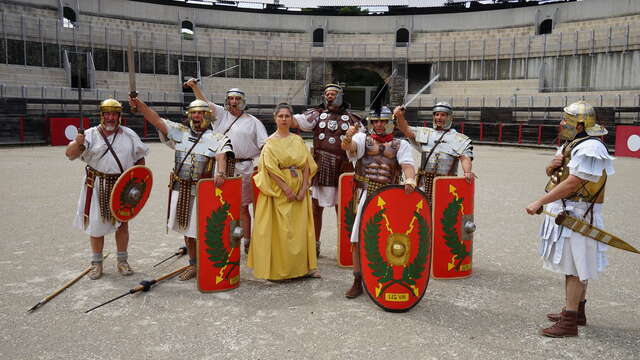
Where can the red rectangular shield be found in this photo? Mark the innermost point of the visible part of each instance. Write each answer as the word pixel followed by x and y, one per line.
pixel 218 253
pixel 453 227
pixel 346 216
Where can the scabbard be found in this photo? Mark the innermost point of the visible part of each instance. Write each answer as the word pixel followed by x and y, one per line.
pixel 169 201
pixel 89 181
pixel 592 232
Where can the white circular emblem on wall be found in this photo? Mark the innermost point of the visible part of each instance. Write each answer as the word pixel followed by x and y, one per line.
pixel 70 132
pixel 633 142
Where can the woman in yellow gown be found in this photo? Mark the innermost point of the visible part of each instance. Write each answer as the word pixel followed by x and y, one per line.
pixel 284 245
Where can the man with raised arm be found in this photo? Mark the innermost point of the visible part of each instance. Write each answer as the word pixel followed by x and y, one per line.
pixel 108 150
pixel 329 123
pixel 199 153
pixel 247 135
pixel 441 147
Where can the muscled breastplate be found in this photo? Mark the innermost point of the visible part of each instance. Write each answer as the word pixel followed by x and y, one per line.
pixel 330 129
pixel 379 164
pixel 588 191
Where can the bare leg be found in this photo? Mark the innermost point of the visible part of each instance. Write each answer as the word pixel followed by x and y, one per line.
pixel 356 288
pixel 191 247
pixel 97 244
pixel 576 289
pixel 190 272
pixel 317 218
pixel 245 219
pixel 317 222
pixel 245 223
pixel 122 237
pixel 355 255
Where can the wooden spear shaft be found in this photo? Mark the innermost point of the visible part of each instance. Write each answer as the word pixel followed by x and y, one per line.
pixel 63 288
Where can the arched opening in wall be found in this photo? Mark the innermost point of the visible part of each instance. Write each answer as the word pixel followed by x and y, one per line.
pixel 361 84
pixel 402 37
pixel 187 30
pixel 318 37
pixel 546 26
pixel 69 18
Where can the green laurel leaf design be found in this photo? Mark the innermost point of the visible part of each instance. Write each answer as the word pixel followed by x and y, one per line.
pixel 378 266
pixel 449 221
pixel 218 253
pixel 413 271
pixel 349 218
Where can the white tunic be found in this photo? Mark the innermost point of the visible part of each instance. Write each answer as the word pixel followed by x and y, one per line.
pixel 248 136
pixel 129 149
pixel 180 137
pixel 404 156
pixel 562 250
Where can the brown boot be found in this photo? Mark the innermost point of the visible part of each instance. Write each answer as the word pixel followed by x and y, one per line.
pixel 582 317
pixel 566 327
pixel 356 288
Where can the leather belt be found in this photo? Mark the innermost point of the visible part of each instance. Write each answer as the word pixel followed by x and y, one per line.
pixel 89 183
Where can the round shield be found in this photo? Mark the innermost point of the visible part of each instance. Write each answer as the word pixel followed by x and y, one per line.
pixel 131 192
pixel 395 247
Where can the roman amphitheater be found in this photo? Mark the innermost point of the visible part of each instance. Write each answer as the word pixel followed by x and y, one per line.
pixel 507 68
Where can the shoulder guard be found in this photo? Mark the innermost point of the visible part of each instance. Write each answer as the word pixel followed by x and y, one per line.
pixel 459 142
pixel 354 119
pixel 423 134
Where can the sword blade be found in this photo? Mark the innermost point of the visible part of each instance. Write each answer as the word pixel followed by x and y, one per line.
pixel 132 75
pixel 225 70
pixel 215 73
pixel 386 83
pixel 421 90
pixel 132 67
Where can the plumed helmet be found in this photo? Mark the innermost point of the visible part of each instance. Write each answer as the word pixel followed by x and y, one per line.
pixel 580 113
pixel 339 94
pixel 384 113
pixel 110 105
pixel 236 92
pixel 444 107
pixel 199 105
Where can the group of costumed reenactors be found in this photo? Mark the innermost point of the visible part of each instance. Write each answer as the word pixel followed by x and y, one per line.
pixel 295 184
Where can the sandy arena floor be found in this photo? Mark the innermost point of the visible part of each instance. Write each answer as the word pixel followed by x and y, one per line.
pixel 495 314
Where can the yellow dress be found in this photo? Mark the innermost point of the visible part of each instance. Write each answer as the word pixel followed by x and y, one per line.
pixel 283 244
